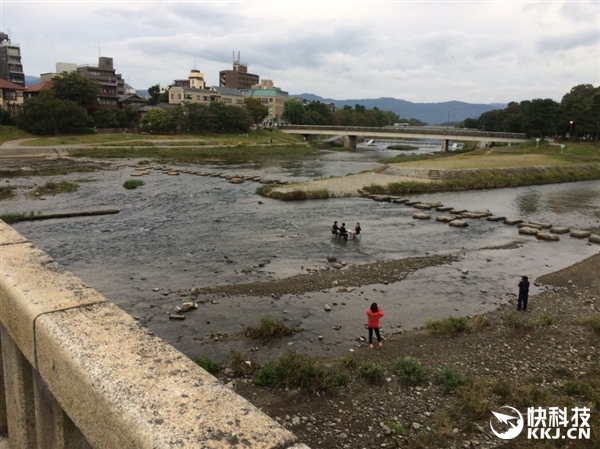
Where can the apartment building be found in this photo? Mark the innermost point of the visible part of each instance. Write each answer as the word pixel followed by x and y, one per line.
pixel 194 90
pixel 111 83
pixel 11 68
pixel 271 96
pixel 238 78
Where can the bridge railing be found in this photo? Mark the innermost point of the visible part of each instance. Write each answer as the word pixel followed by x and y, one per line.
pixel 77 372
pixel 316 129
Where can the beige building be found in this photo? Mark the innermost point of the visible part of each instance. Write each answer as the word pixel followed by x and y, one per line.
pixel 272 97
pixel 194 90
pixel 11 95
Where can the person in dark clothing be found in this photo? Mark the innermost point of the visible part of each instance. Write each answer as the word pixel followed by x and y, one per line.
pixel 523 294
pixel 356 230
pixel 335 229
pixel 344 232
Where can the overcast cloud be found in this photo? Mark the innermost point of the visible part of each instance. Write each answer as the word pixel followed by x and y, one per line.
pixel 421 51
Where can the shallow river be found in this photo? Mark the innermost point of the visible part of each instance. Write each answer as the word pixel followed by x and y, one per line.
pixel 176 232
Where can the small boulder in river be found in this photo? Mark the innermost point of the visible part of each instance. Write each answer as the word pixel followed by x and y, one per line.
pixel 594 238
pixel 559 230
pixel 513 221
pixel 327 308
pixel 580 234
pixel 331 258
pixel 547 236
pixel 458 224
pixel 528 231
pixel 421 216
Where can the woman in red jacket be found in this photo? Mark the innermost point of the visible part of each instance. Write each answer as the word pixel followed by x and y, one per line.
pixel 373 316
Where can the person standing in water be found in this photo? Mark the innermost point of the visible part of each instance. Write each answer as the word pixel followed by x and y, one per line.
pixel 374 314
pixel 523 294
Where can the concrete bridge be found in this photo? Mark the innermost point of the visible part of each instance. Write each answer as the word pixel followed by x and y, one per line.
pixel 350 133
pixel 77 372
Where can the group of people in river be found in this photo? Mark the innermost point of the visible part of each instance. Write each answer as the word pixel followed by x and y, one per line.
pixel 343 233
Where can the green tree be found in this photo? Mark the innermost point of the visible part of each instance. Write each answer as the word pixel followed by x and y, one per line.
pixel 47 115
pixel 156 96
pixel 76 88
pixel 128 117
pixel 541 117
pixel 294 112
pixel 258 111
pixel 226 118
pixel 578 106
pixel 105 118
pixel 157 120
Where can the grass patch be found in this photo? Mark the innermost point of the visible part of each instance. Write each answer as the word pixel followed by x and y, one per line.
pixel 475 398
pixel 293 370
pixel 402 147
pixel 481 322
pixel 6 192
pixel 398 429
pixel 410 371
pixel 519 324
pixel 53 188
pixel 583 390
pixel 131 184
pixel 269 328
pixel 8 133
pixel 449 326
pixel 293 195
pixel 591 321
pixel 372 372
pixel 544 321
pixel 241 365
pixel 450 379
pixel 208 364
pixel 14 218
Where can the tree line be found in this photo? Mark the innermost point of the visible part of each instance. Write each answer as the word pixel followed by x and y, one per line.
pixel 70 106
pixel 577 116
pixel 317 113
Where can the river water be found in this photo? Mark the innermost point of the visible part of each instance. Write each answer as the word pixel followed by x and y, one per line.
pixel 176 232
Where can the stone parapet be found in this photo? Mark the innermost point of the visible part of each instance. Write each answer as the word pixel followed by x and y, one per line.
pixel 118 384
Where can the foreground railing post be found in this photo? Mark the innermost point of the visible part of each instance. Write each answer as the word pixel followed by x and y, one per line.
pixel 55 430
pixel 3 424
pixel 19 395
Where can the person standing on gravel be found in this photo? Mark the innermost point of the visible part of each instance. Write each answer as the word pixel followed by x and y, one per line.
pixel 374 314
pixel 523 294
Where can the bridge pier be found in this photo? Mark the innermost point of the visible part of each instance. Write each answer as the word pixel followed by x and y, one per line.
pixel 307 137
pixel 350 141
pixel 445 143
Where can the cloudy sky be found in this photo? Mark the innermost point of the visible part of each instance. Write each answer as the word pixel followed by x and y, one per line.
pixel 420 51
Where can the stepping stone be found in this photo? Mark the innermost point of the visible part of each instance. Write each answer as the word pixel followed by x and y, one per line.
pixel 173 173
pixel 541 224
pixel 559 230
pixel 412 203
pixel 528 231
pixel 445 218
pixel 399 200
pixel 513 221
pixel 458 211
pixel 458 224
pixel 547 236
pixel 422 206
pixel 496 218
pixel 580 234
pixel 435 204
pixel 594 238
pixel 483 213
pixel 138 173
pixel 470 215
pixel 529 225
pixel 381 198
pixel 444 208
pixel 421 216
pixel 236 181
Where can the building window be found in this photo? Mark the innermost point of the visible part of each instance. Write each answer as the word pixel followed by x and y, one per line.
pixel 187 96
pixel 205 98
pixel 173 96
pixel 179 96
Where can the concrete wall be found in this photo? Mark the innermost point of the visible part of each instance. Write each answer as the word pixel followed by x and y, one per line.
pixel 80 373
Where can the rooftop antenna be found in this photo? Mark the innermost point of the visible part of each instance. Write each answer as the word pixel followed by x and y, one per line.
pixel 99 50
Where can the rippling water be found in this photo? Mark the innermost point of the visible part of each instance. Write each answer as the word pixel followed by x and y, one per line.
pixel 177 232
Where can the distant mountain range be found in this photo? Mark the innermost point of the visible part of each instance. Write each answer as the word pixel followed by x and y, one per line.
pixel 431 113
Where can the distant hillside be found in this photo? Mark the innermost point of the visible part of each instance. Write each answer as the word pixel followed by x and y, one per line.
pixel 32 80
pixel 431 113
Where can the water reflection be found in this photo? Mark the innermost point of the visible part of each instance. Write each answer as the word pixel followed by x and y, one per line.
pixel 528 202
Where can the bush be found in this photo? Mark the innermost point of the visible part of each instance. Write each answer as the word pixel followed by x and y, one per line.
pixel 293 370
pixel 52 188
pixel 450 325
pixel 591 321
pixel 131 184
pixel 6 192
pixel 240 368
pixel 208 364
pixel 450 379
pixel 410 371
pixel 372 372
pixel 268 328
